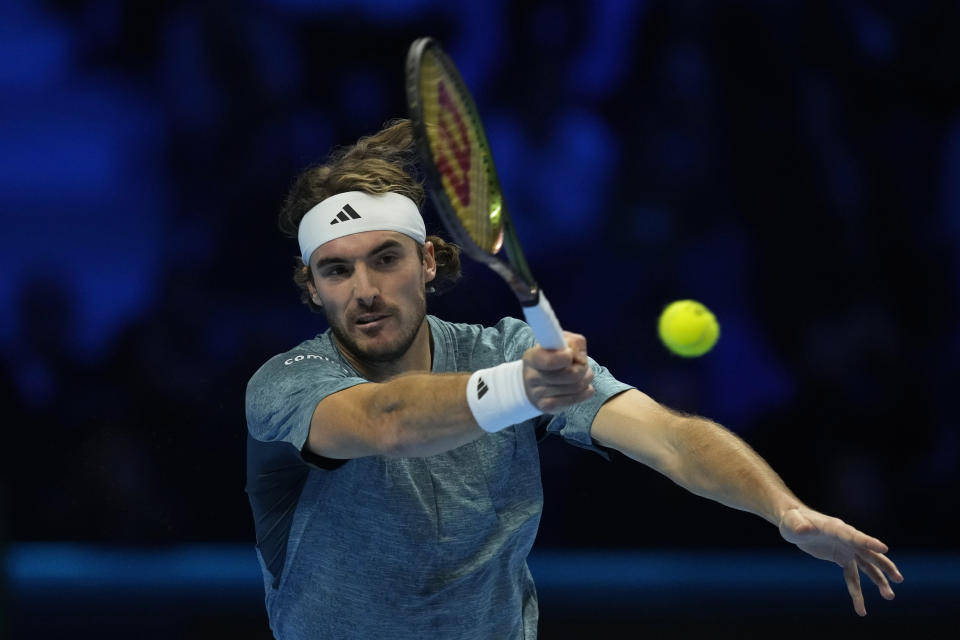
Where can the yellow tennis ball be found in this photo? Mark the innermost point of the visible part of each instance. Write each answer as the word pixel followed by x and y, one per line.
pixel 688 328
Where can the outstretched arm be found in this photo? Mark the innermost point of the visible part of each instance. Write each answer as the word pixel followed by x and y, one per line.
pixel 712 462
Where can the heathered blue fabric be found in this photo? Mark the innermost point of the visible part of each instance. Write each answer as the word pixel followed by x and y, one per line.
pixel 397 548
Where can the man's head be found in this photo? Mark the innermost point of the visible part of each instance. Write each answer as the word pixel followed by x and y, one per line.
pixel 379 168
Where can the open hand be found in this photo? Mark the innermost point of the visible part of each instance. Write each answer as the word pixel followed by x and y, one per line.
pixel 832 539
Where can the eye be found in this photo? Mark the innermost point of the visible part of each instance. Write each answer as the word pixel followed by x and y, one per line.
pixel 387 258
pixel 334 271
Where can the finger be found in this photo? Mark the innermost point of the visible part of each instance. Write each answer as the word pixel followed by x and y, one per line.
pixel 852 577
pixel 869 546
pixel 555 403
pixel 877 576
pixel 548 360
pixel 559 391
pixel 542 385
pixel 576 342
pixel 854 536
pixel 864 541
pixel 574 374
pixel 885 564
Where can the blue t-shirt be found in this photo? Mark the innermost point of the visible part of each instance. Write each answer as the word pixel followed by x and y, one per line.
pixel 378 547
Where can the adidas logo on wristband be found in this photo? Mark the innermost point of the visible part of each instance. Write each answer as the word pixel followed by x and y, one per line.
pixel 505 400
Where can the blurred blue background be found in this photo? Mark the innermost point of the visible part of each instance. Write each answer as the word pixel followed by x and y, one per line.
pixel 795 166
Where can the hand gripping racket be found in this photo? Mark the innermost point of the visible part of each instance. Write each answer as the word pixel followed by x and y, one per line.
pixel 462 179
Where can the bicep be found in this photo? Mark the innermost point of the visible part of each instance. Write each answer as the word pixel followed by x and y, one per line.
pixel 344 426
pixel 638 426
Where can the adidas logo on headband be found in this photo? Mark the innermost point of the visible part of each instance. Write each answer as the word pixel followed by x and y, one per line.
pixel 381 212
pixel 344 213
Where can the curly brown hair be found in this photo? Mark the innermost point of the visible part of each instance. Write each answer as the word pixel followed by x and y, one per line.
pixel 382 162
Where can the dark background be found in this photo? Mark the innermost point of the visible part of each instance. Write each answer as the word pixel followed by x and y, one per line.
pixel 795 166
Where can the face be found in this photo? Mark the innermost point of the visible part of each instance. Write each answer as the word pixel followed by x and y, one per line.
pixel 371 287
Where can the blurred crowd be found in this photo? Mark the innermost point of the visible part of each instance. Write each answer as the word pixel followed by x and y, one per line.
pixel 795 166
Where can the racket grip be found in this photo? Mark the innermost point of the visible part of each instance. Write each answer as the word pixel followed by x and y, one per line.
pixel 546 327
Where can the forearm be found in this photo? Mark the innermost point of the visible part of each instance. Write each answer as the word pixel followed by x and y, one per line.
pixel 412 415
pixel 697 454
pixel 713 462
pixel 426 414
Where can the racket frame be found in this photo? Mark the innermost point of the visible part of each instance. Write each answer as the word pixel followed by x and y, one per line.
pixel 517 273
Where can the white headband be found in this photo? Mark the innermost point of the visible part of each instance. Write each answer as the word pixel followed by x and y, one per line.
pixel 352 212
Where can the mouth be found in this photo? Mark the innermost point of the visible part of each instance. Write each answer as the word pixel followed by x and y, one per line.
pixel 371 320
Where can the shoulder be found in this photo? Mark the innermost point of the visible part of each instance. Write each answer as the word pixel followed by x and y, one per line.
pixel 283 393
pixel 507 326
pixel 311 356
pixel 506 340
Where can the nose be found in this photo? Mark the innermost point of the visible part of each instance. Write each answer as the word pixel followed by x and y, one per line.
pixel 366 288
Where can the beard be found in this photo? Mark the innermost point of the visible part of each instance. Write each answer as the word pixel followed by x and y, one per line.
pixel 386 353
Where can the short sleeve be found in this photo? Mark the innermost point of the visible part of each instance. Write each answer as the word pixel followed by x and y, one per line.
pixel 517 338
pixel 573 423
pixel 281 398
pixel 283 394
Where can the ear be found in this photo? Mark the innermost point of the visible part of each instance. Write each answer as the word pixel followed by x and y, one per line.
pixel 314 296
pixel 429 262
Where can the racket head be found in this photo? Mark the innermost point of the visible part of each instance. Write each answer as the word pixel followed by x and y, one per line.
pixel 463 181
pixel 457 160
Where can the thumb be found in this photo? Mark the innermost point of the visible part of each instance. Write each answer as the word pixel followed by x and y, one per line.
pixel 547 359
pixel 795 522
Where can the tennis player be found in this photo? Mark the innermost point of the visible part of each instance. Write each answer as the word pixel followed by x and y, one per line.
pixel 392 462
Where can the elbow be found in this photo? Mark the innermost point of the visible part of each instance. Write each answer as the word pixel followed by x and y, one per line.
pixel 400 438
pixel 393 439
pixel 391 443
pixel 381 422
pixel 396 441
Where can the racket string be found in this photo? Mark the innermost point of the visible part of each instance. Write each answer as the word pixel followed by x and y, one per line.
pixel 461 154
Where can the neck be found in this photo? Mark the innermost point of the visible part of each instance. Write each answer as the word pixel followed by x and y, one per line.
pixel 419 357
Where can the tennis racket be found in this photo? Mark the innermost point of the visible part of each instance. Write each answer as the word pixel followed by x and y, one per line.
pixel 462 180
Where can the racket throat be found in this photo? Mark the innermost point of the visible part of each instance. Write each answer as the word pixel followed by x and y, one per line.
pixel 526 290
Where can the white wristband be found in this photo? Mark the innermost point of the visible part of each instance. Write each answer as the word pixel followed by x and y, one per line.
pixel 498 398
